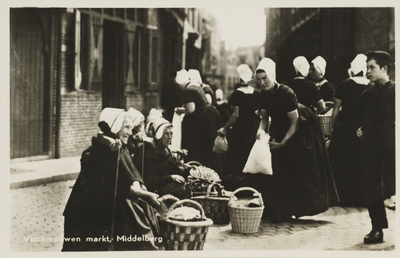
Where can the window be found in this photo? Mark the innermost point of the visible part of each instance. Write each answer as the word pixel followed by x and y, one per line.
pixel 88 51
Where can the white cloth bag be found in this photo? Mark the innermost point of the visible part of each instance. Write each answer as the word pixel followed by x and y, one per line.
pixel 177 130
pixel 259 160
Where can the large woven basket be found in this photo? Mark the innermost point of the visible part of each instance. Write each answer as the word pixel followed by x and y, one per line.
pixel 185 235
pixel 245 219
pixel 215 207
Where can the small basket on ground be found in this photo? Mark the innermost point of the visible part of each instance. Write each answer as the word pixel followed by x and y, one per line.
pixel 200 177
pixel 215 205
pixel 185 235
pixel 245 219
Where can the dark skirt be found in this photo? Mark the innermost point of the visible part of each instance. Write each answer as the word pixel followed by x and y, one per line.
pixel 241 140
pixel 199 131
pixel 344 153
pixel 302 183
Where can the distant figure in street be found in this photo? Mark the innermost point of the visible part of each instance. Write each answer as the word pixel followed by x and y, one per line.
pixel 317 72
pixel 222 106
pixel 200 124
pixel 306 91
pixel 170 98
pixel 195 79
pixel 241 127
pixel 344 148
pixel 376 129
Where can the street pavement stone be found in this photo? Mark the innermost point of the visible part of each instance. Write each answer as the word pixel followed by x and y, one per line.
pixel 36 214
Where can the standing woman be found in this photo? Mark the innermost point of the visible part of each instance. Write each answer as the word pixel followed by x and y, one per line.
pixel 302 182
pixel 244 123
pixel 317 73
pixel 344 147
pixel 200 124
pixel 307 92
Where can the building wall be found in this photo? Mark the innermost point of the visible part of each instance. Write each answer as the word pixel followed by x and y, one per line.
pixel 80 112
pixel 336 34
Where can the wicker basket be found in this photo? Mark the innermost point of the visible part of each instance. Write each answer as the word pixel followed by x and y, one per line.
pixel 326 124
pixel 245 219
pixel 215 207
pixel 185 235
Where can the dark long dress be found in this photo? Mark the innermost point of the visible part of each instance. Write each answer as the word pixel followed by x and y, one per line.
pixel 88 213
pixel 302 182
pixel 243 134
pixel 159 166
pixel 199 129
pixel 306 91
pixel 326 90
pixel 344 149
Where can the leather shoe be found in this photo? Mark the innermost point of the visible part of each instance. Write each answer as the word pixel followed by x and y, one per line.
pixel 373 237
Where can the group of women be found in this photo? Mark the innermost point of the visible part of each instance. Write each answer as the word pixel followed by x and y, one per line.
pixel 124 172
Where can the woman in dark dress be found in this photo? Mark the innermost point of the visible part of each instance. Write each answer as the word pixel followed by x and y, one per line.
pixel 163 171
pixel 344 147
pixel 317 73
pixel 306 91
pixel 222 106
pixel 90 214
pixel 243 124
pixel 302 182
pixel 200 124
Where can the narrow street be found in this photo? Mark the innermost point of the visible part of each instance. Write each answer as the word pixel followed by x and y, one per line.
pixel 37 226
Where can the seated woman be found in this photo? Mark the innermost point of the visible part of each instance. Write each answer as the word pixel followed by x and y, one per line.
pixel 109 201
pixel 163 171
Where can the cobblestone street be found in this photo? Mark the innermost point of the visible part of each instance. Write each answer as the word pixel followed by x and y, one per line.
pixel 36 213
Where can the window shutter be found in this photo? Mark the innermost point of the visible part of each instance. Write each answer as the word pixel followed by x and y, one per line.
pixel 77 73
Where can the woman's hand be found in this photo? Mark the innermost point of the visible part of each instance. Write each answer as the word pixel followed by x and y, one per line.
pixel 152 199
pixel 260 134
pixel 275 145
pixel 180 110
pixel 222 131
pixel 359 133
pixel 179 179
pixel 116 145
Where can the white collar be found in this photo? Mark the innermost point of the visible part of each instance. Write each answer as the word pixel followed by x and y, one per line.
pixel 360 80
pixel 246 90
pixel 319 84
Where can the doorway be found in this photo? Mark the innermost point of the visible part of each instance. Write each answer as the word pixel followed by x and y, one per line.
pixel 113 93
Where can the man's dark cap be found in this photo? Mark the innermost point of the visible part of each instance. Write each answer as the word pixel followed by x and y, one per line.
pixel 379 55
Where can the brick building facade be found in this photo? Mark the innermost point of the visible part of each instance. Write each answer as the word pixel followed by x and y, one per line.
pixel 76 61
pixel 337 34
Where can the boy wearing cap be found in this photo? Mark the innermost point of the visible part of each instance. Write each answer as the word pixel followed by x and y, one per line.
pixel 376 129
pixel 317 72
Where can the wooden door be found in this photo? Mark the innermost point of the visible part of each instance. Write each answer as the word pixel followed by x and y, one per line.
pixel 29 110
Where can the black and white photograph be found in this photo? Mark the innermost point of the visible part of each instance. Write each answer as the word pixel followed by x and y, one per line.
pixel 199 128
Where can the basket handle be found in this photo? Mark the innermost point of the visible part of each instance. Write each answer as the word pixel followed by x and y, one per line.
pixel 167 198
pixel 247 189
pixel 193 163
pixel 220 188
pixel 187 201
